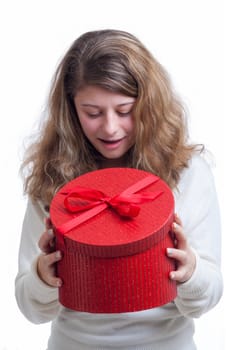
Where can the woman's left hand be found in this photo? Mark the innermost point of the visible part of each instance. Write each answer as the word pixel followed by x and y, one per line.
pixel 182 253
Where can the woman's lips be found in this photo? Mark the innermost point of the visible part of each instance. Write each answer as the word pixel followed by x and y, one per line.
pixel 110 144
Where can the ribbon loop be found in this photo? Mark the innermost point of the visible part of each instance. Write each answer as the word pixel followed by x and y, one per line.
pixel 86 198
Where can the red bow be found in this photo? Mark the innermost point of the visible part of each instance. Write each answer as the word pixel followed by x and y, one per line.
pixel 91 202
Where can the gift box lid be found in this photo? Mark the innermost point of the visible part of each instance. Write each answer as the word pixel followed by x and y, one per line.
pixel 112 212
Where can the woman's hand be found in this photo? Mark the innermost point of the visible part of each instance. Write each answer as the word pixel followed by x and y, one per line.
pixel 182 253
pixel 46 261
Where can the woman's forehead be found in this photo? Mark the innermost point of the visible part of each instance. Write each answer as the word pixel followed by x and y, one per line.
pixel 96 96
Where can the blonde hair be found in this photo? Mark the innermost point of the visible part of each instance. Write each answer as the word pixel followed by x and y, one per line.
pixel 117 61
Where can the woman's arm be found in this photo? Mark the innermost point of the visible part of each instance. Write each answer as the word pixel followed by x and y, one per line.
pixel 197 206
pixel 37 300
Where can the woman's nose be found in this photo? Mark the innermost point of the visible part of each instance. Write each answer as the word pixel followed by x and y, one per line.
pixel 110 123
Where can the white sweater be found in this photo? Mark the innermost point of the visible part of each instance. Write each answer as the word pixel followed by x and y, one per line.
pixel 169 327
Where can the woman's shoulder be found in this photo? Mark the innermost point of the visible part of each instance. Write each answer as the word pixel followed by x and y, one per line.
pixel 198 173
pixel 36 209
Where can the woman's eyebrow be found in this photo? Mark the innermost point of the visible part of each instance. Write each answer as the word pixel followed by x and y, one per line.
pixel 126 103
pixel 89 105
pixel 97 106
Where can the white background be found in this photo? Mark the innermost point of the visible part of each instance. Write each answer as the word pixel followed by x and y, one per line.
pixel 191 38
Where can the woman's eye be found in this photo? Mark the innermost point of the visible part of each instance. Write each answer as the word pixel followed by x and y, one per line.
pixel 124 113
pixel 93 115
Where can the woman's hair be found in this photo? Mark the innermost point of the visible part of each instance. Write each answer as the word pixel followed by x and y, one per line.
pixel 116 61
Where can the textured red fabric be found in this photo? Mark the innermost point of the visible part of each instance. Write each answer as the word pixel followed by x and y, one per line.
pixel 112 263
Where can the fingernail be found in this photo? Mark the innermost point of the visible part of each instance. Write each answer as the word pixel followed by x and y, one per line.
pixel 50 232
pixel 174 226
pixel 58 254
pixel 172 276
pixel 169 251
pixel 59 283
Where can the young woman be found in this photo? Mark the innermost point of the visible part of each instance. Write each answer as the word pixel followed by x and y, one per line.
pixel 111 104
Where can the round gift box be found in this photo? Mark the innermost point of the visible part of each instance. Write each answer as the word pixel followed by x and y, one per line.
pixel 112 262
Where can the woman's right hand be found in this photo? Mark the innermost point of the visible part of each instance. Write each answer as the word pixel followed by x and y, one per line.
pixel 46 261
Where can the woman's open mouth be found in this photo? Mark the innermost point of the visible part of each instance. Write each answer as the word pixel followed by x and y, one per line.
pixel 111 144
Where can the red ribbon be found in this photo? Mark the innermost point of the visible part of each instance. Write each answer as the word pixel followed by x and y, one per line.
pixel 91 202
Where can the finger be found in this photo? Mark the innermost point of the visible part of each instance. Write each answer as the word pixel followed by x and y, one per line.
pixel 46 269
pixel 186 264
pixel 177 219
pixel 177 254
pixel 48 223
pixel 180 236
pixel 54 281
pixel 52 258
pixel 179 275
pixel 46 241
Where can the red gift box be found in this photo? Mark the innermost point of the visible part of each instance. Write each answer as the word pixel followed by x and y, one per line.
pixel 113 227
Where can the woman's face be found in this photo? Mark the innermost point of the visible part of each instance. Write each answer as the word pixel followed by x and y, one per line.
pixel 107 121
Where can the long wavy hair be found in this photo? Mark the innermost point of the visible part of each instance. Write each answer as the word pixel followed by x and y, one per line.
pixel 117 61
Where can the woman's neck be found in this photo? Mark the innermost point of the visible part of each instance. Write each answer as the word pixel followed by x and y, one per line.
pixel 113 163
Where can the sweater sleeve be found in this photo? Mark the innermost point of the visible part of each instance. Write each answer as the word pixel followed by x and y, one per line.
pixel 197 206
pixel 36 300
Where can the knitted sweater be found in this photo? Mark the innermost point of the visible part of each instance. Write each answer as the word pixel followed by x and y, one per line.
pixel 169 327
